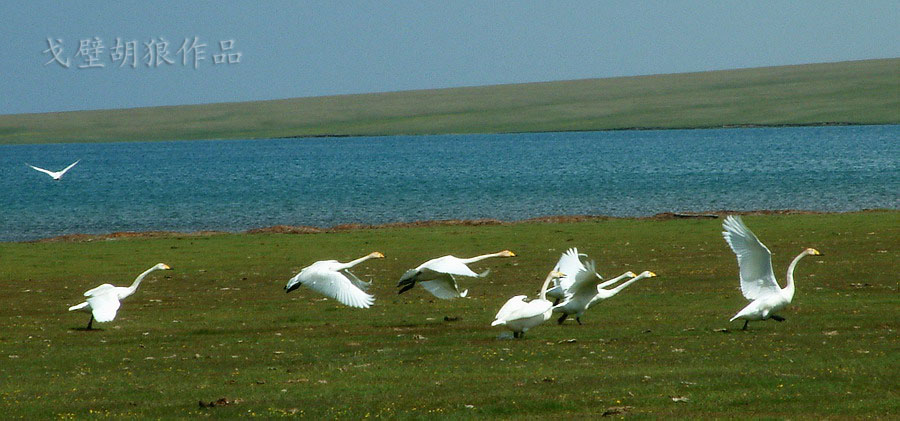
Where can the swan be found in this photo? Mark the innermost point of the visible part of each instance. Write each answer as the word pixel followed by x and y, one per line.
pixel 334 279
pixel 758 282
pixel 104 301
pixel 518 315
pixel 588 293
pixel 56 175
pixel 570 264
pixel 436 275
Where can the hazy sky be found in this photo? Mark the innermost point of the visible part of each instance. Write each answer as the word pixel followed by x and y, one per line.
pixel 293 49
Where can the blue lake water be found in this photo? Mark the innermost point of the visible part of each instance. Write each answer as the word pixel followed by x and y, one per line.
pixel 237 185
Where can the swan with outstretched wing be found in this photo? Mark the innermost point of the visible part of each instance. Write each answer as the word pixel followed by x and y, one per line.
pixel 56 175
pixel 333 279
pixel 758 282
pixel 103 302
pixel 438 276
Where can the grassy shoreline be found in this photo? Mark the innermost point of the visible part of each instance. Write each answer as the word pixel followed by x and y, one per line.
pixel 855 92
pixel 220 326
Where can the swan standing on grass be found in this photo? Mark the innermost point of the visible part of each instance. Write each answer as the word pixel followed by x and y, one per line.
pixel 757 278
pixel 436 275
pixel 588 293
pixel 103 302
pixel 570 264
pixel 56 175
pixel 334 279
pixel 518 315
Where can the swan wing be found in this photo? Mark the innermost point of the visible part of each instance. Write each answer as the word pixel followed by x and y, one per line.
pixel 104 306
pixel 99 290
pixel 530 309
pixel 444 287
pixel 68 168
pixel 48 172
pixel 337 286
pixel 570 264
pixel 586 281
pixel 407 276
pixel 754 259
pixel 363 285
pixel 511 305
pixel 449 265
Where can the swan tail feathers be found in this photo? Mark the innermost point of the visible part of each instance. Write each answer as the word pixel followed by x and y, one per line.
pixel 485 273
pixel 498 322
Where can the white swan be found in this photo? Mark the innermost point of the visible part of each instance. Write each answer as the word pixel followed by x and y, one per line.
pixel 437 275
pixel 584 287
pixel 103 302
pixel 585 296
pixel 333 279
pixel 56 175
pixel 518 315
pixel 757 278
pixel 570 263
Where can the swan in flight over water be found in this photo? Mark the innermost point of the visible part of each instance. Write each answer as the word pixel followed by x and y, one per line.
pixel 518 315
pixel 56 175
pixel 334 279
pixel 104 301
pixel 757 278
pixel 570 264
pixel 437 275
pixel 587 292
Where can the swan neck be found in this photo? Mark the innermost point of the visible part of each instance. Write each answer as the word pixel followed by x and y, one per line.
pixel 479 258
pixel 613 280
pixel 352 263
pixel 625 284
pixel 137 281
pixel 544 287
pixel 789 287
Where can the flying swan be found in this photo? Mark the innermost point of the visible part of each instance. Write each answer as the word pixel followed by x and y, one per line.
pixel 56 175
pixel 570 264
pixel 104 301
pixel 586 292
pixel 437 275
pixel 757 278
pixel 518 315
pixel 334 279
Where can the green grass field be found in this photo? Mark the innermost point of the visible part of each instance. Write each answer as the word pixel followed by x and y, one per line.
pixel 857 92
pixel 220 326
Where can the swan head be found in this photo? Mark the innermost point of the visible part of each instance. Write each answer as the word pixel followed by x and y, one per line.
pixel 813 252
pixel 648 274
pixel 162 266
pixel 631 274
pixel 557 274
pixel 377 255
pixel 506 253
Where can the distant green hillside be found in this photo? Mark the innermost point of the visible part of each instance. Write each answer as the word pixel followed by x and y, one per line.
pixel 857 92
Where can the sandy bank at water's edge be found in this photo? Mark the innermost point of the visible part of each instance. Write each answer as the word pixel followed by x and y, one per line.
pixel 304 229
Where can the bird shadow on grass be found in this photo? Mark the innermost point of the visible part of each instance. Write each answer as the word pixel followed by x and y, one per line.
pixel 84 329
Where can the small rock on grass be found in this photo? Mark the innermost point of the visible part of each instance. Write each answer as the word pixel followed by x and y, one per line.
pixel 219 402
pixel 616 410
